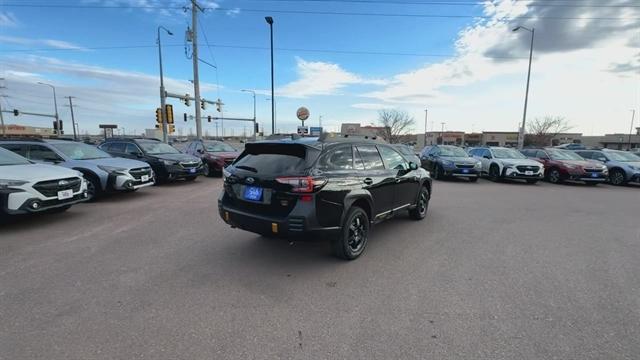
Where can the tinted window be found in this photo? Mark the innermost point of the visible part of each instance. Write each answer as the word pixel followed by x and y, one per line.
pixel 157 148
pixel 275 159
pixel 117 147
pixel 10 158
pixel 541 155
pixel 20 149
pixel 392 159
pixel 370 157
pixel 132 149
pixel 42 153
pixel 584 154
pixel 79 151
pixel 338 159
pixel 357 160
pixel 486 152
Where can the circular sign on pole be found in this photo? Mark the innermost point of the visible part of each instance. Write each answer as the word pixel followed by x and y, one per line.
pixel 302 113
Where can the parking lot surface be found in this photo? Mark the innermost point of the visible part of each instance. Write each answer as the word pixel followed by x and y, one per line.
pixel 496 271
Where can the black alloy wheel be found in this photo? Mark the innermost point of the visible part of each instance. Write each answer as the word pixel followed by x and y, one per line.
pixel 352 240
pixel 617 177
pixel 420 211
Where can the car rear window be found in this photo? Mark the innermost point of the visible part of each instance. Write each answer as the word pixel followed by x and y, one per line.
pixel 276 159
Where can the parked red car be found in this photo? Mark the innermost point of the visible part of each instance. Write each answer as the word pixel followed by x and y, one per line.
pixel 215 155
pixel 565 165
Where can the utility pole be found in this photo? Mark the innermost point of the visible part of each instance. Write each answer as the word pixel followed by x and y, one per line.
pixel 163 93
pixel 196 80
pixel 426 113
pixel 55 104
pixel 442 134
pixel 633 115
pixel 73 120
pixel 269 20
pixel 521 132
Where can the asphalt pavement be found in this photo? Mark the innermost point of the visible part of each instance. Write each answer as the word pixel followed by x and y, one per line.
pixel 496 271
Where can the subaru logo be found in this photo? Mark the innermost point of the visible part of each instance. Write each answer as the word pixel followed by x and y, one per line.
pixel 63 183
pixel 250 180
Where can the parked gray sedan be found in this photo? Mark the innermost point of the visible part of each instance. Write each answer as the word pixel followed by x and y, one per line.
pixel 102 171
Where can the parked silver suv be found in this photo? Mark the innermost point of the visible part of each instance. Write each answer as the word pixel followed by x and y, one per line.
pixel 103 172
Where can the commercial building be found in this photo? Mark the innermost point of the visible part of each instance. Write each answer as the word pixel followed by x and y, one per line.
pixel 22 130
pixel 613 141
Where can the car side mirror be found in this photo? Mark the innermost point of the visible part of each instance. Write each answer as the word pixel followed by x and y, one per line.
pixel 139 155
pixel 413 166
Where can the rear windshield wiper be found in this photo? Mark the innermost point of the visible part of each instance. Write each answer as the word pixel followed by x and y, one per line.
pixel 248 168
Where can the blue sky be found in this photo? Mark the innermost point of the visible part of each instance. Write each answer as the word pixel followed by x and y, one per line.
pixel 466 83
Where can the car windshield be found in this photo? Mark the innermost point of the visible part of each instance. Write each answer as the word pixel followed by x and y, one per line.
pixel 80 151
pixel 157 148
pixel 563 155
pixel 507 154
pixel 219 147
pixel 622 156
pixel 453 152
pixel 9 158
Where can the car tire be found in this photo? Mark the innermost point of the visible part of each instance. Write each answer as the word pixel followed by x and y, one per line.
pixel 206 170
pixel 554 176
pixel 422 206
pixel 494 173
pixel 190 178
pixel 532 181
pixel 438 173
pixel 94 189
pixel 617 177
pixel 473 179
pixel 353 237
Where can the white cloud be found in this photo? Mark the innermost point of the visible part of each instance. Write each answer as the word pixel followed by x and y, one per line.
pixel 57 44
pixel 233 12
pixel 369 106
pixel 321 78
pixel 8 19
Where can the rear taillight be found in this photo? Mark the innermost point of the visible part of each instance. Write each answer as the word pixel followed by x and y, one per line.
pixel 302 184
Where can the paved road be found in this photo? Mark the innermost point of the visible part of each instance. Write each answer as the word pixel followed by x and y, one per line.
pixel 497 271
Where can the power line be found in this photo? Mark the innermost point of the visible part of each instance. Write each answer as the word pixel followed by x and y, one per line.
pixel 328 51
pixel 316 12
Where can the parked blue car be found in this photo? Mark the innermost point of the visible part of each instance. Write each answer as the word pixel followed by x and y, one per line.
pixel 450 161
pixel 624 167
pixel 102 171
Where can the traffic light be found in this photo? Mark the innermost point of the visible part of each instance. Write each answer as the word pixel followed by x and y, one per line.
pixel 187 102
pixel 158 126
pixel 203 104
pixel 209 118
pixel 159 115
pixel 16 112
pixel 218 106
pixel 256 128
pixel 172 128
pixel 55 126
pixel 185 117
pixel 168 109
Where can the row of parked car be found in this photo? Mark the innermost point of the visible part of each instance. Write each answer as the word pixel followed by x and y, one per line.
pixel 532 164
pixel 38 175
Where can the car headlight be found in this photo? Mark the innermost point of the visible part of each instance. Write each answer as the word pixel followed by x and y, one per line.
pixel 169 162
pixel 447 163
pixel 478 164
pixel 6 183
pixel 113 170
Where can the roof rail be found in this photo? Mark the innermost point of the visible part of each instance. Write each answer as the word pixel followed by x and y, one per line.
pixel 21 138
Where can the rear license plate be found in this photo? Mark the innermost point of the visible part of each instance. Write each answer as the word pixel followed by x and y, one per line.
pixel 65 194
pixel 253 193
pixel 193 171
pixel 465 171
pixel 144 178
pixel 595 175
pixel 528 172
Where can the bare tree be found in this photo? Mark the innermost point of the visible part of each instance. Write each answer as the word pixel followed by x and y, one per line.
pixel 395 123
pixel 541 131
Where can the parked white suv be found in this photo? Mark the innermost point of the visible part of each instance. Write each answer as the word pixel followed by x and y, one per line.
pixel 503 163
pixel 26 187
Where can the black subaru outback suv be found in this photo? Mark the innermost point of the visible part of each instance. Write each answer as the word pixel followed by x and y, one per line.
pixel 339 185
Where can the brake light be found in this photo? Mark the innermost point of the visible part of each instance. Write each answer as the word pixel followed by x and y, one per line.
pixel 302 184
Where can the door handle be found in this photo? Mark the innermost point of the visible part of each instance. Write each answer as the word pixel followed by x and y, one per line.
pixel 368 181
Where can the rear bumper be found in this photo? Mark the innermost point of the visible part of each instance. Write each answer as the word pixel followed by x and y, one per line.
pixel 302 220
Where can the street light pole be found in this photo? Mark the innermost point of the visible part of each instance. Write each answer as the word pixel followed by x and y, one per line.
pixel 426 113
pixel 163 93
pixel 521 133
pixel 55 104
pixel 442 134
pixel 254 112
pixel 633 115
pixel 73 119
pixel 269 20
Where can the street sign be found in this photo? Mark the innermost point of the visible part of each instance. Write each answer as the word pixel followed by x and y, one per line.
pixel 315 130
pixel 303 130
pixel 302 113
